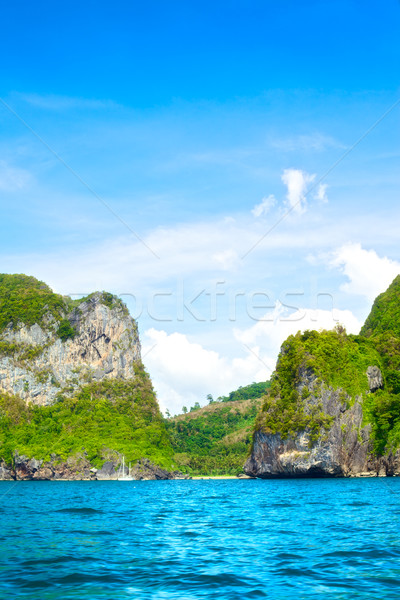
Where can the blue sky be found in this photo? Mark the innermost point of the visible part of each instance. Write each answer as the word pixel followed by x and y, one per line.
pixel 252 146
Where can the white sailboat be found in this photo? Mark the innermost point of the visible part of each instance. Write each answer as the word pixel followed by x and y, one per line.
pixel 121 472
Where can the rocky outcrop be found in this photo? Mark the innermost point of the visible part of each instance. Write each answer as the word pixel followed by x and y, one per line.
pixel 75 468
pixel 51 348
pixel 342 449
pixel 145 469
pixel 375 379
pixel 106 346
pixel 5 473
pixel 107 471
pixel 78 468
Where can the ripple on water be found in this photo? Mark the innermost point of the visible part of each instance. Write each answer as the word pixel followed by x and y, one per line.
pixel 84 510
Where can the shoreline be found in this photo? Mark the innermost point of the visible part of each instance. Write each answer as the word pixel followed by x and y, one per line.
pixel 193 478
pixel 363 475
pixel 199 477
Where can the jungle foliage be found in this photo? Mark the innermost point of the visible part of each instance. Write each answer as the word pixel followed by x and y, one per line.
pixel 215 439
pixel 112 414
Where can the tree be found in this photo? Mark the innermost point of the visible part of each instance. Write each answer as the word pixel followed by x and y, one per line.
pixel 340 329
pixel 184 410
pixel 210 399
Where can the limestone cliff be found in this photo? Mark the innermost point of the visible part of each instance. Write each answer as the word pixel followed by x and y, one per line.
pixel 342 448
pixel 37 364
pixel 74 393
pixel 333 408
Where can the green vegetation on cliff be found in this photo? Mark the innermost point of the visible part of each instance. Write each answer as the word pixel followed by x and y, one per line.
pixel 336 359
pixel 382 328
pixel 340 361
pixel 384 317
pixel 24 299
pixel 382 411
pixel 253 390
pixel 215 439
pixel 114 414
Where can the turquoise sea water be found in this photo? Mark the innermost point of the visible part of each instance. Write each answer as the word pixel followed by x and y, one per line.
pixel 301 539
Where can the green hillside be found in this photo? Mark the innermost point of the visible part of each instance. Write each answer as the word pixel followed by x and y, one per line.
pixel 123 416
pixel 384 317
pixel 112 415
pixel 216 439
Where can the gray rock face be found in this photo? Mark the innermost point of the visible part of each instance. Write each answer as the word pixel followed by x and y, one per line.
pixel 74 468
pixel 78 468
pixel 5 473
pixel 343 450
pixel 375 379
pixel 145 469
pixel 107 471
pixel 106 346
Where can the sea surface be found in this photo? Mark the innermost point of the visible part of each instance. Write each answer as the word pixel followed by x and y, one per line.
pixel 225 539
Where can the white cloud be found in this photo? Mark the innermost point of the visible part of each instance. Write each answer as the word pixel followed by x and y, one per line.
pixel 264 207
pixel 297 182
pixel 368 273
pixel 198 254
pixel 13 179
pixel 321 193
pixel 227 259
pixel 270 332
pixel 184 372
pixel 314 142
pixel 194 251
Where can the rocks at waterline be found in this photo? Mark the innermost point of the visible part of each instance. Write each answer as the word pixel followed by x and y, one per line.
pixel 78 468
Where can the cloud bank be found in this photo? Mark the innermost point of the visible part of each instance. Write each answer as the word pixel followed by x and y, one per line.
pixel 368 274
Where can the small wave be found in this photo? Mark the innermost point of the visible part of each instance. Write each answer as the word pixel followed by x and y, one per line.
pixel 67 558
pixel 90 532
pixel 72 579
pixel 190 534
pixel 288 556
pixel 370 553
pixel 293 572
pixel 82 511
